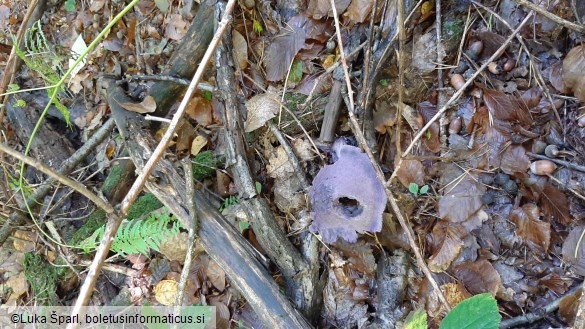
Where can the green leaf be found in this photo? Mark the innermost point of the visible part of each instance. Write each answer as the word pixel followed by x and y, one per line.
pixel 424 189
pixel 429 135
pixel 70 5
pixel 416 320
pixel 477 312
pixel 20 103
pixel 413 188
pixel 384 82
pixel 13 87
pixel 208 95
pixel 257 27
pixel 296 71
pixel 244 225
pixel 258 187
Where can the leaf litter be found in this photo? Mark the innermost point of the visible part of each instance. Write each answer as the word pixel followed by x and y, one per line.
pixel 487 224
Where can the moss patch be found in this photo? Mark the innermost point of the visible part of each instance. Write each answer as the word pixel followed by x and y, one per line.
pixel 43 278
pixel 96 220
pixel 143 205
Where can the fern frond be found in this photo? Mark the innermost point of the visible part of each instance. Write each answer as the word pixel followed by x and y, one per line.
pixel 138 235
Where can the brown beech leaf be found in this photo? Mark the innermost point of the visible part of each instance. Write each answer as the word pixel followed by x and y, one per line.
pixel 148 105
pixel 569 305
pixel 532 96
pixel 431 138
pixel 448 240
pixel 461 200
pixel 570 245
pixel 573 68
pixel 261 108
pixel 215 275
pixel 318 9
pixel 491 42
pixel 479 276
pixel 534 232
pixel 200 110
pixel 554 203
pixel 291 39
pixel 505 107
pixel 411 171
pixel 240 50
pixel 514 159
pixel 359 10
pixel 555 77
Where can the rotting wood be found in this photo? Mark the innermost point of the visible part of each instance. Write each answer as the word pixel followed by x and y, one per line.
pixel 332 112
pixel 221 241
pixel 185 59
pixel 297 272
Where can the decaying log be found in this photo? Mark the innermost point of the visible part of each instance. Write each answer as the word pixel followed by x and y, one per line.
pixel 185 59
pixel 219 238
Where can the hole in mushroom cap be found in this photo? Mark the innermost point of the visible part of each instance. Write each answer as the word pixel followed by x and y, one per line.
pixel 350 207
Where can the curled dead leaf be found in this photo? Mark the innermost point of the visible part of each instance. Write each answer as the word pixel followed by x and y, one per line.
pixel 148 105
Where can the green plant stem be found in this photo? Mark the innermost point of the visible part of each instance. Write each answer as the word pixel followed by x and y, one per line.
pixel 90 48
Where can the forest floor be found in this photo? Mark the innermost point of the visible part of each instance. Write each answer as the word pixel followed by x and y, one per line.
pixel 295 164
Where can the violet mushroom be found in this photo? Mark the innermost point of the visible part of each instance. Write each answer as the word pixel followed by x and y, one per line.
pixel 347 197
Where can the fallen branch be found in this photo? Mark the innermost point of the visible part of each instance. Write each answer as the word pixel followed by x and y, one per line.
pixel 541 11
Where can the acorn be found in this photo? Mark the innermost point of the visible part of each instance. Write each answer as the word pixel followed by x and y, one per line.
pixel 455 125
pixel 509 65
pixel 538 147
pixel 457 81
pixel 543 167
pixel 474 49
pixel 494 68
pixel 551 151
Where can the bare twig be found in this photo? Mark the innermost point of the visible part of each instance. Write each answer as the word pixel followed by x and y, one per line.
pixel 59 177
pixel 539 314
pixel 17 218
pixel 541 11
pixel 193 230
pixel 380 175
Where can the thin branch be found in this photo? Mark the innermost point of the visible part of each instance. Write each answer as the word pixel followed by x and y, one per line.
pixel 66 167
pixel 380 175
pixel 541 11
pixel 538 314
pixel 59 177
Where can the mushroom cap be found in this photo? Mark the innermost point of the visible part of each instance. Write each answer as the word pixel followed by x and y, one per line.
pixel 347 197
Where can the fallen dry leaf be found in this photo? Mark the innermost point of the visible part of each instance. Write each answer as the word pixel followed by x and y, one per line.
pixel 570 245
pixel 461 200
pixel 216 275
pixel 449 241
pixel 200 110
pixel 534 232
pixel 148 105
pixel 555 203
pixel 573 68
pixel 240 50
pixel 505 107
pixel 318 9
pixel 198 143
pixel 359 11
pixel 261 108
pixel 514 159
pixel 478 276
pixel 411 171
